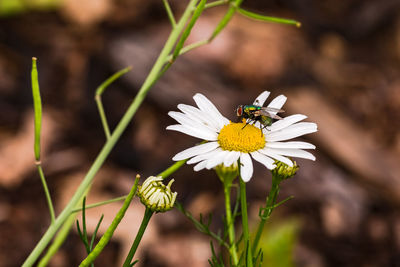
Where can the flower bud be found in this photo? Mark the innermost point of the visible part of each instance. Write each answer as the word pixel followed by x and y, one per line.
pixel 283 171
pixel 227 174
pixel 155 195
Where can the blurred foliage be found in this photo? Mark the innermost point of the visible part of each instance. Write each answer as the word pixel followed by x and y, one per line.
pixel 278 242
pixel 13 7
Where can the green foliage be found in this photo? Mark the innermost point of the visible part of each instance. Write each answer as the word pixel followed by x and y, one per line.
pixel 256 16
pixel 83 233
pixel 13 7
pixel 278 242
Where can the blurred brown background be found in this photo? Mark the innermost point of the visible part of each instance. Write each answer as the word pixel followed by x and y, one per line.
pixel 341 68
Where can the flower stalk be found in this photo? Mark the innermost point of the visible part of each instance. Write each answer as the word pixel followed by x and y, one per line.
pixel 146 218
pixel 110 230
pixel 279 174
pixel 245 224
pixel 227 175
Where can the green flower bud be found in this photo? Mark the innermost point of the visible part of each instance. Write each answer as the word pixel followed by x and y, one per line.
pixel 157 196
pixel 227 174
pixel 283 171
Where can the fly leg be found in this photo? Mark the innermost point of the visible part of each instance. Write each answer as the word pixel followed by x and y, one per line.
pixel 249 121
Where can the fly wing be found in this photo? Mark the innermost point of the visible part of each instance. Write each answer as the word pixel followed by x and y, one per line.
pixel 271 112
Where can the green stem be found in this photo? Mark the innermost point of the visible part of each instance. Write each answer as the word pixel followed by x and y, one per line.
pixel 266 213
pixel 230 223
pixel 100 90
pixel 187 48
pixel 101 203
pixel 216 3
pixel 246 236
pixel 103 117
pixel 172 169
pixel 103 86
pixel 47 192
pixel 110 230
pixel 146 218
pixel 58 241
pixel 169 13
pixel 185 34
pixel 109 145
pixel 227 17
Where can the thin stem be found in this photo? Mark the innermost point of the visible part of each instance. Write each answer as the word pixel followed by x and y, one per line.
pixel 58 241
pixel 170 14
pixel 101 203
pixel 146 218
pixel 230 223
pixel 227 17
pixel 172 169
pixel 110 230
pixel 266 213
pixel 100 90
pixel 185 34
pixel 109 145
pixel 103 117
pixel 103 86
pixel 216 3
pixel 246 236
pixel 188 47
pixel 46 192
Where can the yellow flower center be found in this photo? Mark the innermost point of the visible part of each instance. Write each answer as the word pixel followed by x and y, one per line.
pixel 233 137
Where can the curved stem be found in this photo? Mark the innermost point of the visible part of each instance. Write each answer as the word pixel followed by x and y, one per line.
pixel 146 218
pixel 58 241
pixel 47 193
pixel 172 168
pixel 110 230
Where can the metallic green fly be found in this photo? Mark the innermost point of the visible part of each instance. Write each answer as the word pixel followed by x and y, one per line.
pixel 254 113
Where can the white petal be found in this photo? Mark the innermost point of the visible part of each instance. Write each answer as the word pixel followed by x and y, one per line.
pixel 264 160
pixel 246 168
pixel 198 115
pixel 201 165
pixel 216 159
pixel 188 120
pixel 285 122
pixel 271 153
pixel 293 153
pixel 291 131
pixel 204 156
pixel 278 102
pixel 196 150
pixel 206 106
pixel 260 100
pixel 199 133
pixel 231 157
pixel 292 144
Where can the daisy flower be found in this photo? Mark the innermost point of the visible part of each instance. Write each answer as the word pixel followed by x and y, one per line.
pixel 228 142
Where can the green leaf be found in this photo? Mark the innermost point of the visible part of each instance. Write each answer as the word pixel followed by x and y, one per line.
pixel 37 105
pixel 185 34
pixel 268 18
